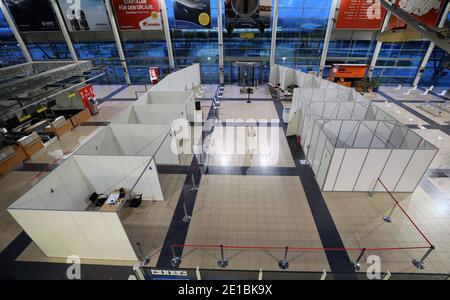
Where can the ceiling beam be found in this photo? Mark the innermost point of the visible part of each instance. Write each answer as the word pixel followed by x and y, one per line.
pixel 427 32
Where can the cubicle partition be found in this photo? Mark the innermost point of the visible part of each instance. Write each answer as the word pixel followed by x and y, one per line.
pixel 57 213
pixel 181 80
pixel 302 96
pixel 349 155
pixel 348 142
pixel 134 140
pixel 187 99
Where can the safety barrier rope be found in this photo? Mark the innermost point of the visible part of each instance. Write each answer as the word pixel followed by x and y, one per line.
pixel 407 215
pixel 294 248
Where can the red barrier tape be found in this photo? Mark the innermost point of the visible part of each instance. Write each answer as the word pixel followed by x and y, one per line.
pixel 406 214
pixel 297 248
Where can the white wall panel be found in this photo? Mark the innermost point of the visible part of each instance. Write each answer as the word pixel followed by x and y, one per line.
pixel 374 164
pixel 333 171
pixel 394 168
pixel 119 235
pixel 68 232
pixel 75 183
pixel 415 170
pixel 324 164
pixel 53 193
pixel 351 165
pixel 34 224
pixel 99 235
pixel 92 172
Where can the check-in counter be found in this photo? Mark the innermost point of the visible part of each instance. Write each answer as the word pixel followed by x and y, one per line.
pixel 31 144
pixel 80 117
pixel 10 158
pixel 59 126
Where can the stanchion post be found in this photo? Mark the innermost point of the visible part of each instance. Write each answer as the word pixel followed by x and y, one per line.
pixel 197 273
pixel 176 260
pixel 138 272
pixel 145 259
pixel 420 263
pixel 223 262
pixel 194 186
pixel 260 274
pixel 372 190
pixel 284 264
pixel 388 217
pixel 186 217
pixel 357 264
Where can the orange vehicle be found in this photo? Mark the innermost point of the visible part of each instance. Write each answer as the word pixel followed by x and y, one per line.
pixel 346 74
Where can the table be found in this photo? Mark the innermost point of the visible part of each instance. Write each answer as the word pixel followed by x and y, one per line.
pixel 114 203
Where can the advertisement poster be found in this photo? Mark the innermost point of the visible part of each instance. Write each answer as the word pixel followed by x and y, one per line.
pixel 85 15
pixel 33 15
pixel 191 14
pixel 137 14
pixel 426 11
pixel 360 14
pixel 248 14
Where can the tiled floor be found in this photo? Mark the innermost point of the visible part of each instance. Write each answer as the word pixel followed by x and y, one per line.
pixel 233 146
pixel 270 210
pixel 247 111
pixel 234 91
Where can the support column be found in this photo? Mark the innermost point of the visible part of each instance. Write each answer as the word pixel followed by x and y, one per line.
pixel 273 44
pixel 427 56
pixel 220 41
pixel 15 31
pixel 64 30
pixel 116 35
pixel 377 50
pixel 166 27
pixel 326 41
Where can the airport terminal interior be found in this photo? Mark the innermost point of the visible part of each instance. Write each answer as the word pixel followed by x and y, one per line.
pixel 224 139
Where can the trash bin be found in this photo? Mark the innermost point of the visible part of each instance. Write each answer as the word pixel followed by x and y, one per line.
pixel 93 106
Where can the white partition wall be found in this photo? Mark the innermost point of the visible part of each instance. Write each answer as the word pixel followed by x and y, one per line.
pixel 56 212
pixel 181 80
pixel 349 155
pixel 108 173
pixel 133 140
pixel 88 235
pixel 186 99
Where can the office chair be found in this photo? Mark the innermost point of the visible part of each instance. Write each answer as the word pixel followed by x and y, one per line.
pixel 98 199
pixel 136 201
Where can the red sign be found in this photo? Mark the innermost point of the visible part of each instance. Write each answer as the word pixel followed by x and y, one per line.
pixel 154 74
pixel 138 14
pixel 426 11
pixel 360 14
pixel 85 93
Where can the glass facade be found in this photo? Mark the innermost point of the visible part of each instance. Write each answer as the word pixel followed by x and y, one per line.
pixel 301 30
pixel 10 53
pixel 300 37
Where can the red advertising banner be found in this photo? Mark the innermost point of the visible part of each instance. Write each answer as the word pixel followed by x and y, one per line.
pixel 138 14
pixel 360 14
pixel 426 11
pixel 85 93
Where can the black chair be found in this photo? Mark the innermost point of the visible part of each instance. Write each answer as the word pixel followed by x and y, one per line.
pixel 136 201
pixel 97 199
